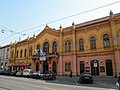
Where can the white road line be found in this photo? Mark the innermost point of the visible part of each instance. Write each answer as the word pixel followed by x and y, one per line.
pixel 76 82
pixel 26 84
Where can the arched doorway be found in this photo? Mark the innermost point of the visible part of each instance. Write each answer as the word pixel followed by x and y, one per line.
pixel 82 67
pixel 54 68
pixel 45 66
pixel 109 68
pixel 37 66
pixel 94 67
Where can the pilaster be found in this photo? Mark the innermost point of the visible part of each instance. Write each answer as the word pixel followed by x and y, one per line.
pixel 61 50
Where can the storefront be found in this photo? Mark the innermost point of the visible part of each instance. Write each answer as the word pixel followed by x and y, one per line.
pixel 20 66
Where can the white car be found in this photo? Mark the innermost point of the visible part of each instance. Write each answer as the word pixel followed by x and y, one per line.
pixel 37 74
pixel 27 72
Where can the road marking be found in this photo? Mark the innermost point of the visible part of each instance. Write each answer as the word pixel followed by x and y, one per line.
pixel 46 83
pixel 27 84
pixel 76 82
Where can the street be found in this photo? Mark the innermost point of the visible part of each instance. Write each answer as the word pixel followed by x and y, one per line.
pixel 20 83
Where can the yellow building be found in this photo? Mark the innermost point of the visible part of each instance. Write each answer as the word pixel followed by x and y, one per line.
pixel 92 47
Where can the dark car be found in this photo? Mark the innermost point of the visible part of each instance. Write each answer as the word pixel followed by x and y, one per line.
pixel 86 78
pixel 37 74
pixel 2 72
pixel 19 73
pixel 49 75
pixel 7 72
pixel 13 72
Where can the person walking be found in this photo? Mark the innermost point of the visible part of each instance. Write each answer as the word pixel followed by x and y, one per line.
pixel 71 73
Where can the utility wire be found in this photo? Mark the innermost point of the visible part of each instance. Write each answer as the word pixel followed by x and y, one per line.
pixel 67 17
pixel 6 29
pixel 71 16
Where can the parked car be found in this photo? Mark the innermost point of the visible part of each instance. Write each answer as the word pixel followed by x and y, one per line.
pixel 27 72
pixel 2 72
pixel 86 78
pixel 7 72
pixel 37 74
pixel 19 73
pixel 13 72
pixel 49 75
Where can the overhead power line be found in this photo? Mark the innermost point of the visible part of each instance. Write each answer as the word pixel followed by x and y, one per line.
pixel 71 16
pixel 6 29
pixel 66 17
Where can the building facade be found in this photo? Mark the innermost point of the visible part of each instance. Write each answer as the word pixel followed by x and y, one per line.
pixel 4 56
pixel 92 47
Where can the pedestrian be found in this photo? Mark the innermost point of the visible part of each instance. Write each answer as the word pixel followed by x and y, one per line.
pixel 71 73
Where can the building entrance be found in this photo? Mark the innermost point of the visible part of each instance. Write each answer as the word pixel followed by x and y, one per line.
pixel 45 66
pixel 82 67
pixel 54 68
pixel 37 66
pixel 94 67
pixel 109 69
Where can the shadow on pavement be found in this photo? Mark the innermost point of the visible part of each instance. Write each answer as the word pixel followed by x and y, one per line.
pixel 100 82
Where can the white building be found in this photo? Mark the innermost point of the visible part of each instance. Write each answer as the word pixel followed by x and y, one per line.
pixel 4 56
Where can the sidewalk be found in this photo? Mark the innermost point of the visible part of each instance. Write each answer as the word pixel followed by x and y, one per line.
pixel 103 82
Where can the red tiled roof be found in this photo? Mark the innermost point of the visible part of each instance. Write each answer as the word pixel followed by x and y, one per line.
pixel 92 22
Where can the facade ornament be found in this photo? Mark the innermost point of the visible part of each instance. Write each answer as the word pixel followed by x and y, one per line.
pixel 47 27
pixel 73 25
pixel 60 28
pixel 28 37
pixel 34 35
pixel 111 14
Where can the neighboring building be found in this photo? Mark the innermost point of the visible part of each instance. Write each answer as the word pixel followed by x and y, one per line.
pixel 4 56
pixel 91 47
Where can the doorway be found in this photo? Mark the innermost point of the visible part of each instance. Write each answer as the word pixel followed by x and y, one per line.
pixel 95 67
pixel 109 68
pixel 54 68
pixel 45 66
pixel 82 67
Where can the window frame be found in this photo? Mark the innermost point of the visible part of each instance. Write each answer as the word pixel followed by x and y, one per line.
pixel 81 44
pixel 93 43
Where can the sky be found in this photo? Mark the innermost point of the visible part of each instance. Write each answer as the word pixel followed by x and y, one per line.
pixel 20 19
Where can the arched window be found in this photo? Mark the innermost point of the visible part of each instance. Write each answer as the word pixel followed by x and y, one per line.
pixel 93 42
pixel 67 46
pixel 12 54
pixel 46 47
pixel 81 45
pixel 38 48
pixel 17 53
pixel 106 41
pixel 25 52
pixel 67 66
pixel 21 53
pixel 30 51
pixel 54 47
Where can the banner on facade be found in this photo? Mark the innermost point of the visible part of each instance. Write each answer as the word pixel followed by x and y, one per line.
pixel 43 58
pixel 95 64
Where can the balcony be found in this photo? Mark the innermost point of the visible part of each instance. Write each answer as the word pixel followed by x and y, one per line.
pixel 54 54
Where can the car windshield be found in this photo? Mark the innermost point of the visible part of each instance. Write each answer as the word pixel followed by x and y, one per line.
pixel 86 75
pixel 26 70
pixel 13 71
pixel 37 72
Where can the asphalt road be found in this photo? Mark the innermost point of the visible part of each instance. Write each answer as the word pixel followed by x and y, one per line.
pixel 20 83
